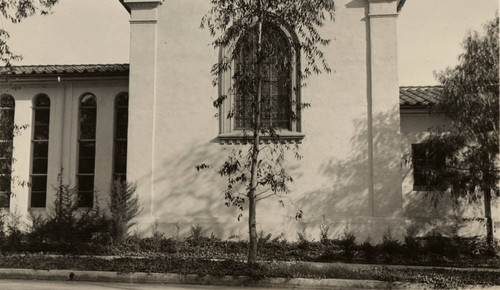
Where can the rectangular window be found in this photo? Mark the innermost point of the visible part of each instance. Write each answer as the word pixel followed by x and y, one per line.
pixel 429 163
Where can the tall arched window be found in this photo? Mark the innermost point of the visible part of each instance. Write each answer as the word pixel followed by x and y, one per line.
pixel 276 79
pixel 120 139
pixel 41 112
pixel 86 150
pixel 7 106
pixel 238 84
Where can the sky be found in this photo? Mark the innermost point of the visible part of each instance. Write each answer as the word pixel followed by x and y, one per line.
pixel 97 31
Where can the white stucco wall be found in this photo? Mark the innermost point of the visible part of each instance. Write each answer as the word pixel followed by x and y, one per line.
pixel 63 133
pixel 443 216
pixel 334 182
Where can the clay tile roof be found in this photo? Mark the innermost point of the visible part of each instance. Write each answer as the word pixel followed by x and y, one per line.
pixel 421 96
pixel 409 96
pixel 72 69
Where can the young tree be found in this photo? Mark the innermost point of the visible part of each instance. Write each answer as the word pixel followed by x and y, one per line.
pixel 469 147
pixel 123 207
pixel 260 58
pixel 15 11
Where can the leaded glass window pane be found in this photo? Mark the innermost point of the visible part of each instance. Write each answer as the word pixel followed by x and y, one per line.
pixel 86 158
pixel 39 166
pixel 120 146
pixel 276 80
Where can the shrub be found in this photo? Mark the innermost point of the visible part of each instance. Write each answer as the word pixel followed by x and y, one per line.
pixel 262 238
pixel 390 247
pixel 155 242
pixel 2 229
pixel 303 243
pixel 123 207
pixel 368 250
pixel 347 244
pixel 476 246
pixel 439 247
pixel 197 232
pixel 197 235
pixel 324 230
pixel 68 228
pixel 13 235
pixel 412 246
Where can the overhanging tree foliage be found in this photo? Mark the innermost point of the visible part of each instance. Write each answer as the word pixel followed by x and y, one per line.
pixel 261 58
pixel 470 145
pixel 15 11
pixel 12 11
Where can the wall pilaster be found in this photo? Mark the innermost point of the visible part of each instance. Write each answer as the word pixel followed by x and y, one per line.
pixel 142 97
pixel 383 110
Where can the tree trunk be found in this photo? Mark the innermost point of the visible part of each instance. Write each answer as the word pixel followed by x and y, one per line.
pixel 489 220
pixel 252 223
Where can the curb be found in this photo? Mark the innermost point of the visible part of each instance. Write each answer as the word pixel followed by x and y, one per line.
pixel 160 278
pixel 390 266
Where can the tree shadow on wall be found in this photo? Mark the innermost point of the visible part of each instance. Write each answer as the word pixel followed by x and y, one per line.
pixel 347 198
pixel 436 212
pixel 183 196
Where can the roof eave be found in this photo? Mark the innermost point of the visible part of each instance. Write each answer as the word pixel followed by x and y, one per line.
pixel 51 78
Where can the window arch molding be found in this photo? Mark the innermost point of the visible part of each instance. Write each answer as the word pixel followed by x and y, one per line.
pixel 41 104
pixel 228 130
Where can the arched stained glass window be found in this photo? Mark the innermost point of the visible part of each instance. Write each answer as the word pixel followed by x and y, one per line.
pixel 86 150
pixel 120 140
pixel 40 141
pixel 7 109
pixel 276 109
pixel 280 102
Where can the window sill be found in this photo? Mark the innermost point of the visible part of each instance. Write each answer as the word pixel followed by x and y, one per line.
pixel 427 189
pixel 282 137
pixel 38 209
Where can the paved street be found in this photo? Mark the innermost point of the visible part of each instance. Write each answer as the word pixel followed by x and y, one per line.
pixel 80 285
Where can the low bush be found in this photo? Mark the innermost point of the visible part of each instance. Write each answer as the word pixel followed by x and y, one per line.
pixel 348 244
pixel 368 251
pixel 70 230
pixel 390 248
pixel 67 229
pixel 123 207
